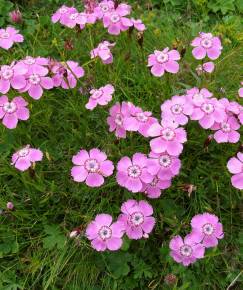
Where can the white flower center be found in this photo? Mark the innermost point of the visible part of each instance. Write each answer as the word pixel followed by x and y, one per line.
pixel 168 134
pixel 141 117
pixel 207 108
pixel 208 229
pixel 165 160
pixel 225 127
pixel 5 35
pixel 104 7
pixel 136 218
pixel 97 94
pixel 118 119
pixel 34 79
pixel 186 250
pixel 9 107
pixel 105 233
pixel 115 18
pixel 176 109
pixel 23 152
pixel 29 60
pixel 206 43
pixel 73 16
pixel 92 165
pixel 134 171
pixel 62 10
pixel 162 57
pixel 7 73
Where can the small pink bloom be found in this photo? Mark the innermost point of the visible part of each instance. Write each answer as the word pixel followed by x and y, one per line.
pixel 61 13
pixel 197 96
pixel 23 158
pixel 66 74
pixel 72 19
pixel 101 96
pixel 118 113
pixel 227 131
pixel 34 65
pixel 165 60
pixel 177 109
pixel 235 166
pixel 15 16
pixel 12 76
pixel 168 138
pixel 209 112
pixel 207 229
pixel 240 92
pixel 206 67
pixel 9 36
pixel 139 121
pixel 153 189
pixel 231 108
pixel 186 252
pixel 206 44
pixel 164 165
pixel 10 205
pixel 104 234
pixel 116 21
pixel 138 24
pixel 12 111
pixel 137 218
pixel 103 8
pixel 91 167
pixel 103 52
pixel 132 173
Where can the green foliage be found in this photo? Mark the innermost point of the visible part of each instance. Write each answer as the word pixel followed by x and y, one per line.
pixel 5 7
pixel 54 238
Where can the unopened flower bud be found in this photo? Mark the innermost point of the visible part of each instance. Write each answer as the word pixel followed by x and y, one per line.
pixel 170 279
pixel 10 205
pixel 15 16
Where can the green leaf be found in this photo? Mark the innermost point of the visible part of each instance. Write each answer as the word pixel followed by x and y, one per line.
pixel 54 238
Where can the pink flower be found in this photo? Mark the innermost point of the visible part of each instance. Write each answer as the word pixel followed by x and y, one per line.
pixel 10 205
pixel 206 67
pixel 153 189
pixel 240 92
pixel 206 44
pixel 164 165
pixel 231 108
pixel 132 173
pixel 118 113
pixel 9 36
pixel 197 96
pixel 209 112
pixel 137 218
pixel 226 131
pixel 34 65
pixel 104 234
pixel 177 109
pixel 23 158
pixel 164 60
pixel 61 13
pixel 72 19
pixel 139 121
pixel 12 76
pixel 103 52
pixel 186 252
pixel 207 229
pixel 103 8
pixel 15 16
pixel 168 138
pixel 101 96
pixel 66 74
pixel 138 24
pixel 235 166
pixel 12 111
pixel 115 20
pixel 91 167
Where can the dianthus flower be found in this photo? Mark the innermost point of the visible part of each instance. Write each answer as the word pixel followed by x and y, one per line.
pixel 138 24
pixel 235 166
pixel 205 67
pixel 197 96
pixel 9 36
pixel 186 251
pixel 101 96
pixel 153 189
pixel 12 111
pixel 103 8
pixel 131 173
pixel 103 52
pixel 165 60
pixel 207 229
pixel 91 167
pixel 23 158
pixel 206 44
pixel 137 218
pixel 104 234
pixel 61 14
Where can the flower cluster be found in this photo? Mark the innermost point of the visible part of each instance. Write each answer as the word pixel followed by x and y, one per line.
pixel 114 17
pixel 135 220
pixel 32 75
pixel 206 230
pixel 9 36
